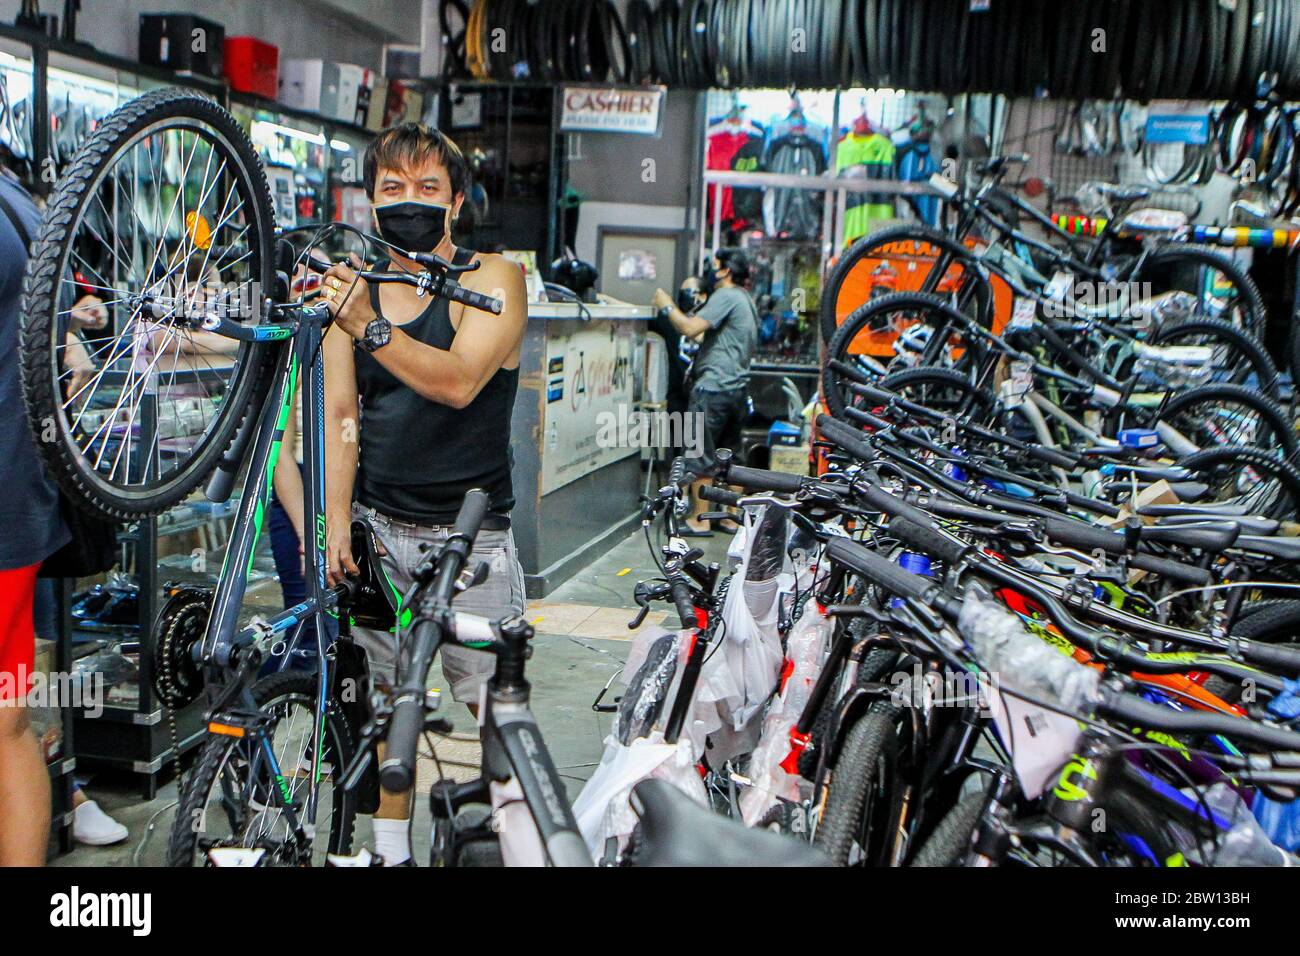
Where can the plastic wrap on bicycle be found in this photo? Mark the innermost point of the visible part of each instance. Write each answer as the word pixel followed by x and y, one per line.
pixel 1020 660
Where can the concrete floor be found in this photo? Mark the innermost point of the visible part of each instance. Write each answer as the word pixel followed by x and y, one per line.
pixel 582 640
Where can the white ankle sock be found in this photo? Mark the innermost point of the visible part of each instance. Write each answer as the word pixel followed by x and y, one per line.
pixel 392 840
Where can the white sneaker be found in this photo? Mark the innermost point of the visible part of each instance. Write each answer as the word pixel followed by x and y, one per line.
pixel 93 827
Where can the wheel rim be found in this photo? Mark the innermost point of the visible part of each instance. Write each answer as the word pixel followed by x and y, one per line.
pixel 239 810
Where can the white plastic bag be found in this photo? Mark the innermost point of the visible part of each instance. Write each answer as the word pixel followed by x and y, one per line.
pixel 603 810
pixel 806 650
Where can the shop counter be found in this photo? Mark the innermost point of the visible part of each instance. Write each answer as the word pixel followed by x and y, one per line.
pixel 577 478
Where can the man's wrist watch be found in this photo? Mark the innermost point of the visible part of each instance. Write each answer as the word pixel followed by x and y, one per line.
pixel 379 332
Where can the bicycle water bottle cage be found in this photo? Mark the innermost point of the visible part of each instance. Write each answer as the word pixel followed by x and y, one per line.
pixel 374 599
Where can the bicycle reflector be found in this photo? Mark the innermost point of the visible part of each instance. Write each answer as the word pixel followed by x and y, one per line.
pixel 198 230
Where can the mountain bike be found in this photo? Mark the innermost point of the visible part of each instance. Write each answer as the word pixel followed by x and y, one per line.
pixel 165 213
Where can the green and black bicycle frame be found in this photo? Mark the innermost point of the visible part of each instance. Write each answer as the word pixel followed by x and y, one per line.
pixel 230 656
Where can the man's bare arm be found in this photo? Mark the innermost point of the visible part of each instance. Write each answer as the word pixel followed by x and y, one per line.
pixel 483 343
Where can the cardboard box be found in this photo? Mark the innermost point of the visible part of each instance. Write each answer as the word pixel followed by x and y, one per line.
pixel 791 459
pixel 378 105
pixel 309 85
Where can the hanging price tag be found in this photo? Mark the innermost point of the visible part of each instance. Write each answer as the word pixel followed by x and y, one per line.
pixel 1061 283
pixel 1023 314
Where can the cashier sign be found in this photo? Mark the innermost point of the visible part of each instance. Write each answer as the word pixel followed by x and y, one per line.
pixel 610 109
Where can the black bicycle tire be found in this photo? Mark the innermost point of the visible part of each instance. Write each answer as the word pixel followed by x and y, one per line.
pixel 1115 28
pixel 949 841
pixel 39 378
pixel 1266 372
pixel 910 232
pixel 1256 41
pixel 865 744
pixel 1267 409
pixel 861 318
pixel 1182 23
pixel 1247 456
pixel 181 846
pixel 1238 38
pixel 871 42
pixel 1256 313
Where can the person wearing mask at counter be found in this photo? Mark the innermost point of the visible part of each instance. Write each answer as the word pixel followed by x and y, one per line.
pixel 726 327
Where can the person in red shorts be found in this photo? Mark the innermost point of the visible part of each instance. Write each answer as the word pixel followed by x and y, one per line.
pixel 32 531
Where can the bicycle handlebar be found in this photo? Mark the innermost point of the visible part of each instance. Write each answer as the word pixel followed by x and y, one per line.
pixel 397 772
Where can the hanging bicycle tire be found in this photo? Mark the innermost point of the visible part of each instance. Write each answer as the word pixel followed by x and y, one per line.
pixel 177 183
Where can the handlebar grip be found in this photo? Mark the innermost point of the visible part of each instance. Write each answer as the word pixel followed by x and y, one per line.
pixel 397 772
pixel 881 571
pixel 1051 456
pixel 763 480
pixel 475 300
pixel 929 541
pixel 681 593
pixel 318 263
pixel 1174 570
pixel 472 511
pixel 894 506
pixel 720 496
pixel 1076 534
pixel 1273 656
pixel 847 437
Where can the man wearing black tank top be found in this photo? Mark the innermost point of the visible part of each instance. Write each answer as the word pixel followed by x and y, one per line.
pixel 418 398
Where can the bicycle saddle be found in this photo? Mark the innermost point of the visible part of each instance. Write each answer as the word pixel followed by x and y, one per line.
pixel 1152 222
pixel 677 831
pixel 374 600
pixel 1122 193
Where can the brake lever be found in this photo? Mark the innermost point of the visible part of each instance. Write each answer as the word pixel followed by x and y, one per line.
pixel 431 261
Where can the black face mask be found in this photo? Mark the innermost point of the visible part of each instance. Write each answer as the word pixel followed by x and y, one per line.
pixel 708 281
pixel 413 226
pixel 687 300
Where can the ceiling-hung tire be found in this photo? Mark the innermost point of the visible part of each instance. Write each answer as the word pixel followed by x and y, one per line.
pixel 1257 37
pixel 640 59
pixel 90 420
pixel 1194 30
pixel 1237 41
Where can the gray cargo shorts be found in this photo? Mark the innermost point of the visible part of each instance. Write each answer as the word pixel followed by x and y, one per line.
pixel 500 595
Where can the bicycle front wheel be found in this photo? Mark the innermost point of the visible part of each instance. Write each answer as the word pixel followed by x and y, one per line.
pixel 162 222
